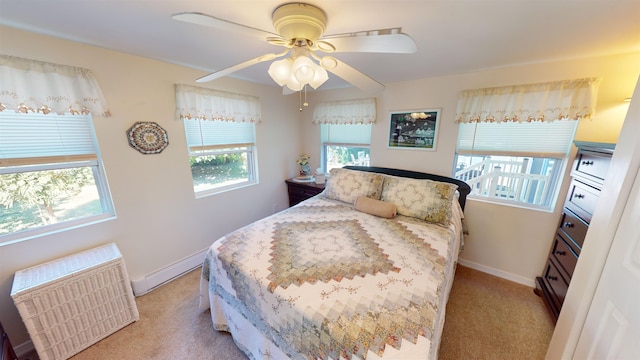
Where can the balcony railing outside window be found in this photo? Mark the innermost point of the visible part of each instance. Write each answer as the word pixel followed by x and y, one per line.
pixel 526 180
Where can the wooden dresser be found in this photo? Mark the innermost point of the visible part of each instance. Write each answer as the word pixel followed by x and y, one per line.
pixel 300 191
pixel 587 176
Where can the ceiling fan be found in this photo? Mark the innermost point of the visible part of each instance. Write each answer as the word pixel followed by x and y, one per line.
pixel 299 28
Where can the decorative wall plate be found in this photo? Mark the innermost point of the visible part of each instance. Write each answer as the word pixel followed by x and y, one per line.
pixel 147 137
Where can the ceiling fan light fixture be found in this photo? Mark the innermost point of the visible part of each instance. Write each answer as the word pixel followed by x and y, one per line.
pixel 328 62
pixel 293 84
pixel 299 20
pixel 319 78
pixel 280 71
pixel 303 69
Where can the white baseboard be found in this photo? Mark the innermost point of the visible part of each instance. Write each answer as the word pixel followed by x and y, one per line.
pixel 499 273
pixel 168 273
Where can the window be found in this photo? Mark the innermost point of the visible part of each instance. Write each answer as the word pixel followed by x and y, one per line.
pixel 514 141
pixel 518 163
pixel 51 174
pixel 345 131
pixel 220 130
pixel 221 154
pixel 347 144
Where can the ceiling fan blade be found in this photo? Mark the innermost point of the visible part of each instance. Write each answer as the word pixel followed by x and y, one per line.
pixel 355 77
pixel 221 24
pixel 373 41
pixel 234 68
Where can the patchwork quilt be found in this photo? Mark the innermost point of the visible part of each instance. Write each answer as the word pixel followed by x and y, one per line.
pixel 321 280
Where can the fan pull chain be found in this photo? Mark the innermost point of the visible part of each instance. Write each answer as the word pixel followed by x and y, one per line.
pixel 305 104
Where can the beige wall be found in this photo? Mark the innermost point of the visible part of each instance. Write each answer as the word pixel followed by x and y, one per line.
pixel 159 220
pixel 506 241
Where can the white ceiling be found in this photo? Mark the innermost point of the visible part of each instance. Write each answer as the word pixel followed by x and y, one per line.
pixel 453 36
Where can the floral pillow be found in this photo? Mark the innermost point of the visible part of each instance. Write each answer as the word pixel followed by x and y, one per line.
pixel 346 185
pixel 423 199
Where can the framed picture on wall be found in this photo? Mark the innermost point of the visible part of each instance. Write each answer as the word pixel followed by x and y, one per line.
pixel 415 129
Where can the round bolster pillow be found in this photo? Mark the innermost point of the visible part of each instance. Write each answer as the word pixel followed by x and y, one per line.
pixel 375 207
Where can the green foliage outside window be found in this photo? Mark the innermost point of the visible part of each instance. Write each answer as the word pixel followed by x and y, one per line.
pixel 31 199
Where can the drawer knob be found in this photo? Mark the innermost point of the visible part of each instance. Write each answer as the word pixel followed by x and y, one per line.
pixel 561 253
pixel 587 163
pixel 552 278
pixel 579 196
pixel 568 224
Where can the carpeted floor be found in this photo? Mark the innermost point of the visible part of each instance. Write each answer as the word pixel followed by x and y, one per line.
pixel 487 318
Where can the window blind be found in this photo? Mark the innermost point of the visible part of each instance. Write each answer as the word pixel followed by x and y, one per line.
pixel 27 139
pixel 207 134
pixel 543 139
pixel 352 134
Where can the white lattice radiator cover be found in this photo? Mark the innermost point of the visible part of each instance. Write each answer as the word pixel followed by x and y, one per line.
pixel 71 303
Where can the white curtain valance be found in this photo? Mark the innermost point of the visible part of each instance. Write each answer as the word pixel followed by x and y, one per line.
pixel 567 99
pixel 359 111
pixel 36 86
pixel 206 104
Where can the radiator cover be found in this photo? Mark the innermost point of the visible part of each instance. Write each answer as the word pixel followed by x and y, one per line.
pixel 71 303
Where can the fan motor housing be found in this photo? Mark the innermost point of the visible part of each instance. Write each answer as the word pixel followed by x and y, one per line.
pixel 299 21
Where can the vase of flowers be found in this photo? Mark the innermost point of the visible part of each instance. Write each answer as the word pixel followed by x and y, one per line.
pixel 303 161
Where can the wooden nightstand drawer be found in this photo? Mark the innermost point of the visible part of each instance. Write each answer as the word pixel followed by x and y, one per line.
pixel 300 191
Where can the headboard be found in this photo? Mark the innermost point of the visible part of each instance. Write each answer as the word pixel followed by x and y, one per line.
pixel 463 188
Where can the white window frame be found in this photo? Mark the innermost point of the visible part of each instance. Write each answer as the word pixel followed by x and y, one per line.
pixel 344 140
pixel 59 161
pixel 199 144
pixel 496 186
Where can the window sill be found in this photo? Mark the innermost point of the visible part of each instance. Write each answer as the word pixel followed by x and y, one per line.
pixel 509 203
pixel 210 192
pixel 47 230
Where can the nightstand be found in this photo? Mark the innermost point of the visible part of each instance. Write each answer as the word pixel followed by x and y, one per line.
pixel 300 191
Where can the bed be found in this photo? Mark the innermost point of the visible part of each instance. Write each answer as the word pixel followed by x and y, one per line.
pixel 361 271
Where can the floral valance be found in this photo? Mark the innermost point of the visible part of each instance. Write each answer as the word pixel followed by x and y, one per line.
pixel 206 104
pixel 567 99
pixel 359 111
pixel 36 86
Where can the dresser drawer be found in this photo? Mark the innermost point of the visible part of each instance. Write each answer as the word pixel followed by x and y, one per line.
pixel 582 199
pixel 564 254
pixel 592 164
pixel 574 228
pixel 556 284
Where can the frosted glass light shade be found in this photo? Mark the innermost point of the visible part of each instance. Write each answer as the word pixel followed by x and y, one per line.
pixel 294 84
pixel 296 74
pixel 303 69
pixel 280 71
pixel 320 77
